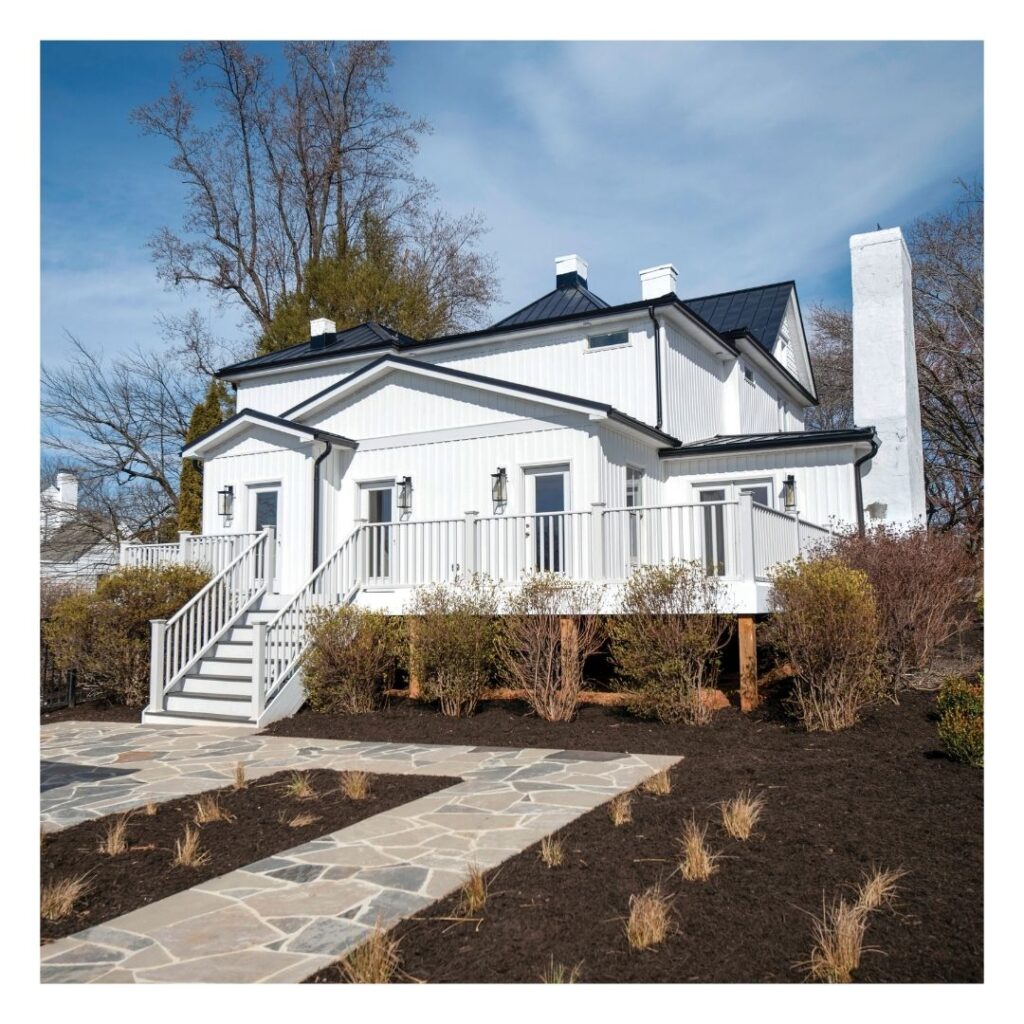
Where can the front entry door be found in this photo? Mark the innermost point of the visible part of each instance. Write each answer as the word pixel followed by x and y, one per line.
pixel 266 503
pixel 379 516
pixel 548 492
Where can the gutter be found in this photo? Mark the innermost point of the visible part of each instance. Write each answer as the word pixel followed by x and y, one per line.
pixel 657 366
pixel 316 503
pixel 857 483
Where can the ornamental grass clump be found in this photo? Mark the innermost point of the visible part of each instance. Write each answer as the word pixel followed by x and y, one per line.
pixel 961 707
pixel 187 851
pixel 548 631
pixel 825 624
pixel 559 974
pixel 741 814
pixel 697 863
pixel 621 810
pixel 208 808
pixel 372 962
pixel 667 643
pixel 105 635
pixel 473 892
pixel 923 583
pixel 552 851
pixel 453 648
pixel 354 785
pixel 115 838
pixel 649 917
pixel 58 899
pixel 352 659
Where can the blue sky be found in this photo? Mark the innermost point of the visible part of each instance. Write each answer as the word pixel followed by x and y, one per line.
pixel 742 163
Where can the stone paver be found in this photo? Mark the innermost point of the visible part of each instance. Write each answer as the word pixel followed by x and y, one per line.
pixel 285 917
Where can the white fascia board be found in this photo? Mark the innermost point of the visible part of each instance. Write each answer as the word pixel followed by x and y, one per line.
pixel 348 387
pixel 239 426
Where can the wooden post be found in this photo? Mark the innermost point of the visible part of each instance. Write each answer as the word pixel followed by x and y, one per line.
pixel 415 668
pixel 749 697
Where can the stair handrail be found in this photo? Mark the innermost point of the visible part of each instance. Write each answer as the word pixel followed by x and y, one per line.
pixel 278 645
pixel 180 642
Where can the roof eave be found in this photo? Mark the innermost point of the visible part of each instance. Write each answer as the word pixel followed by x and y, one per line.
pixel 798 439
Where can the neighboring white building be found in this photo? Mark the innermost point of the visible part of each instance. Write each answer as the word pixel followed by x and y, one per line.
pixel 573 436
pixel 72 546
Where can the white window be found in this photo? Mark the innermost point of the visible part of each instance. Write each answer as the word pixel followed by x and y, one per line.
pixel 610 340
pixel 634 499
pixel 748 375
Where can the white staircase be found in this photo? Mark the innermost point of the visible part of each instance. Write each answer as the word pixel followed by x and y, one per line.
pixel 220 688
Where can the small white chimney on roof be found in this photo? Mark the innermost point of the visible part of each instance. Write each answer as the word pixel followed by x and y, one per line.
pixel 570 271
pixel 658 281
pixel 67 489
pixel 321 326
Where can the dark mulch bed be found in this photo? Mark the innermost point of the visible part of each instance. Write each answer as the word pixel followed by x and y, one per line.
pixel 145 874
pixel 95 711
pixel 879 794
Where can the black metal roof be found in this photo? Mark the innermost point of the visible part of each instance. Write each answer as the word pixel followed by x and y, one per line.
pixel 724 443
pixel 759 311
pixel 276 421
pixel 566 301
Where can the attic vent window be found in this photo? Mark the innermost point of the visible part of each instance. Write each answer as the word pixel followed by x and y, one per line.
pixel 748 375
pixel 608 340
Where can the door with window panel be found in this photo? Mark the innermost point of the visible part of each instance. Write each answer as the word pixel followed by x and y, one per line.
pixel 713 529
pixel 547 493
pixel 635 499
pixel 379 503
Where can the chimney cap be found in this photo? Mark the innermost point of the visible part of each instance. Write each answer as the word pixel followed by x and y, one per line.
pixel 571 271
pixel 321 326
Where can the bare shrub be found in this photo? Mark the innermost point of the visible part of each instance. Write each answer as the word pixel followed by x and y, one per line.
pixel 208 809
pixel 660 784
pixel 552 851
pixel 115 839
pixel 58 899
pixel 105 635
pixel 473 893
pixel 826 625
pixel 351 659
pixel 697 863
pixel 649 916
pixel 454 648
pixel 667 644
pixel 559 974
pixel 187 851
pixel 548 632
pixel 741 814
pixel 923 581
pixel 355 785
pixel 621 810
pixel 372 962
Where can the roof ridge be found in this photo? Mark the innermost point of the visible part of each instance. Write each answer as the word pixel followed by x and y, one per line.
pixel 739 291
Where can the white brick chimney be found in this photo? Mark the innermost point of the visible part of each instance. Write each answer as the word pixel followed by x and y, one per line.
pixel 658 281
pixel 67 489
pixel 885 394
pixel 571 271
pixel 321 326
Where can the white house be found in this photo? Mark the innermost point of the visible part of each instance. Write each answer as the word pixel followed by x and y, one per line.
pixel 73 547
pixel 572 436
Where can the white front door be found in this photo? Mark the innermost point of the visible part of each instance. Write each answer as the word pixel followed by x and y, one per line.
pixel 378 504
pixel 547 493
pixel 265 505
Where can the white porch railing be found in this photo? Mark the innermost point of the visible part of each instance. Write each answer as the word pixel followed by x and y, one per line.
pixel 213 551
pixel 508 547
pixel 179 643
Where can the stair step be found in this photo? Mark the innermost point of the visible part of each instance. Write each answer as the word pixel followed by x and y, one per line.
pixel 197 684
pixel 236 705
pixel 190 717
pixel 232 650
pixel 224 668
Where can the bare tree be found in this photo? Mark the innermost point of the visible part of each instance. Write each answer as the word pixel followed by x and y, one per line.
pixel 285 176
pixel 122 424
pixel 949 324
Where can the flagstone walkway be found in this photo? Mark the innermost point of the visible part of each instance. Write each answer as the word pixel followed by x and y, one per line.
pixel 287 916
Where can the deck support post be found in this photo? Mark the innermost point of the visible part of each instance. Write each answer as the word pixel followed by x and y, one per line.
pixel 415 665
pixel 749 697
pixel 469 552
pixel 184 541
pixel 157 631
pixel 597 567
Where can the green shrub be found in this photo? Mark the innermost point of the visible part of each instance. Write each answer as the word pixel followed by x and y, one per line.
pixel 454 641
pixel 826 625
pixel 961 707
pixel 544 639
pixel 105 635
pixel 667 643
pixel 352 658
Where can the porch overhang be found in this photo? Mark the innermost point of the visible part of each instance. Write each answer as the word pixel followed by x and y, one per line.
pixel 730 444
pixel 248 419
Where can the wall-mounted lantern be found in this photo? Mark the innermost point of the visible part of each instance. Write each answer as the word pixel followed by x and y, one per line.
pixel 789 493
pixel 405 494
pixel 225 501
pixel 499 486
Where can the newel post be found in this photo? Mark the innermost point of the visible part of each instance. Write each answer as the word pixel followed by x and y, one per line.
pixel 597 566
pixel 269 557
pixel 259 669
pixel 184 542
pixel 125 545
pixel 469 551
pixel 361 552
pixel 157 632
pixel 748 561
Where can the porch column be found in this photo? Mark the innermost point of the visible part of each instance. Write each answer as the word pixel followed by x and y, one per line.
pixel 469 551
pixel 749 697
